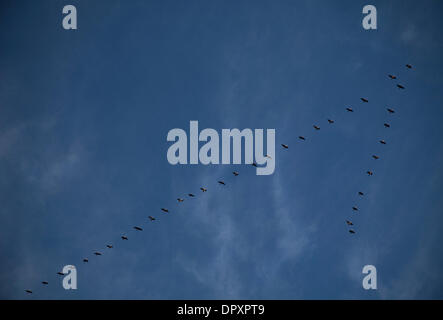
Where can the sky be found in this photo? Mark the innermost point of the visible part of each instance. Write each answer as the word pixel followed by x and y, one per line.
pixel 84 116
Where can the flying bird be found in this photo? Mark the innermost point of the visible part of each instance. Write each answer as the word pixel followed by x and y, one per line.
pixel 221 182
pixel 382 141
pixel 375 157
pixel 28 291
pixel 392 77
pixel 85 260
pixel 349 223
pixel 390 110
pixel 355 208
pixel 45 282
pixel 165 210
pixel 151 218
pixel 235 173
pixel 408 66
pixel 370 173
pixel 285 146
pixel 191 195
pixel 316 127
pixel 180 199
pixel 351 231
pixel 60 273
pixel 387 125
pixel 124 238
pixel 400 86
pixel 330 121
pixel 302 138
pixel 138 228
pixel 109 246
pixel 364 100
pixel 203 189
pixel 360 193
pixel 350 109
pixel 97 253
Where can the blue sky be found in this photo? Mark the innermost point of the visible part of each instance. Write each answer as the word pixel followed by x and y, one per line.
pixel 84 116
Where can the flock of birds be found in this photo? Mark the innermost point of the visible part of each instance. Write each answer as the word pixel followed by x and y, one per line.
pixel 349 223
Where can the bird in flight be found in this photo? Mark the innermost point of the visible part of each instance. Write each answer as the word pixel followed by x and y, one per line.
pixel 60 273
pixel 351 231
pixel 285 146
pixel 180 199
pixel 408 66
pixel 165 210
pixel 124 238
pixel 28 291
pixel 45 282
pixel 302 138
pixel 191 195
pixel 349 109
pixel 382 141
pixel 109 246
pixel 221 182
pixel 330 121
pixel 392 77
pixel 387 125
pixel 316 127
pixel 370 173
pixel 375 157
pixel 138 228
pixel 364 100
pixel 390 110
pixel 151 218
pixel 97 253
pixel 235 173
pixel 203 189
pixel 360 193
pixel 355 208
pixel 400 86
pixel 349 223
pixel 85 260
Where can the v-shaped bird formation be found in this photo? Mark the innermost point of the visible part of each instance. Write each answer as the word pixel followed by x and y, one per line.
pixel 222 183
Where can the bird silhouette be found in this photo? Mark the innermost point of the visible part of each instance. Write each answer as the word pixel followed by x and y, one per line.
pixel 382 141
pixel 408 66
pixel 349 110
pixel 138 228
pixel 301 138
pixel 45 283
pixel 392 77
pixel 375 157
pixel 285 146
pixel 364 100
pixel 349 223
pixel 400 86
pixel 370 173
pixel 203 189
pixel 109 246
pixel 330 121
pixel 387 125
pixel 390 110
pixel 316 127
pixel 221 182
pixel 235 173
pixel 165 210
pixel 124 238
pixel 151 218
pixel 360 193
